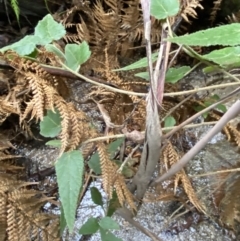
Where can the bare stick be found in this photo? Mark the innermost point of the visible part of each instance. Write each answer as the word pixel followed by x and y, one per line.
pixel 200 89
pixel 100 84
pixel 215 173
pixel 103 138
pixel 73 75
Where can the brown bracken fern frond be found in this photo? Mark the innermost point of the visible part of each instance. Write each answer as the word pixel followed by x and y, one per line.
pixel 23 218
pixel 124 195
pixel 108 169
pixel 171 157
pixel 6 109
pixel 215 9
pixel 44 95
pixel 190 192
pixel 65 123
pixel 113 180
pixel 233 133
pixel 20 215
pixel 188 9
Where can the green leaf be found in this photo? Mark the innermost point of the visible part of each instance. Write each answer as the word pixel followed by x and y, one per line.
pixel 169 121
pixel 113 204
pixel 63 223
pixel 48 30
pixel 34 54
pixel 143 75
pixel 15 7
pixel 209 102
pixel 50 126
pixel 199 108
pixel 127 172
pixel 212 36
pixel 210 69
pixel 225 57
pixel 55 143
pixel 90 227
pixel 69 170
pixel 96 196
pixel 172 76
pixel 222 108
pixel 94 163
pixel 205 115
pixel 52 48
pixel 76 55
pixel 108 223
pixel 25 46
pixel 215 97
pixel 162 9
pixel 138 64
pixel 175 74
pixel 108 236
pixel 113 146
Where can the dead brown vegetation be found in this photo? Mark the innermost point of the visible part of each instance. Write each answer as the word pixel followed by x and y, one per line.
pixel 112 28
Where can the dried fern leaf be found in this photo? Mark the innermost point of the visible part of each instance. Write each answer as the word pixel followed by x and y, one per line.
pixel 235 134
pixel 108 169
pixel 113 180
pixel 36 85
pixel 191 193
pixel 65 123
pixel 3 214
pixel 188 9
pixel 124 195
pixel 215 9
pixel 172 157
pixel 24 220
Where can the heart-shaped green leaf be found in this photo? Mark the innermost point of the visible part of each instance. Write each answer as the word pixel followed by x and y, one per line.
pixel 48 30
pixel 162 9
pixel 50 126
pixel 76 55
